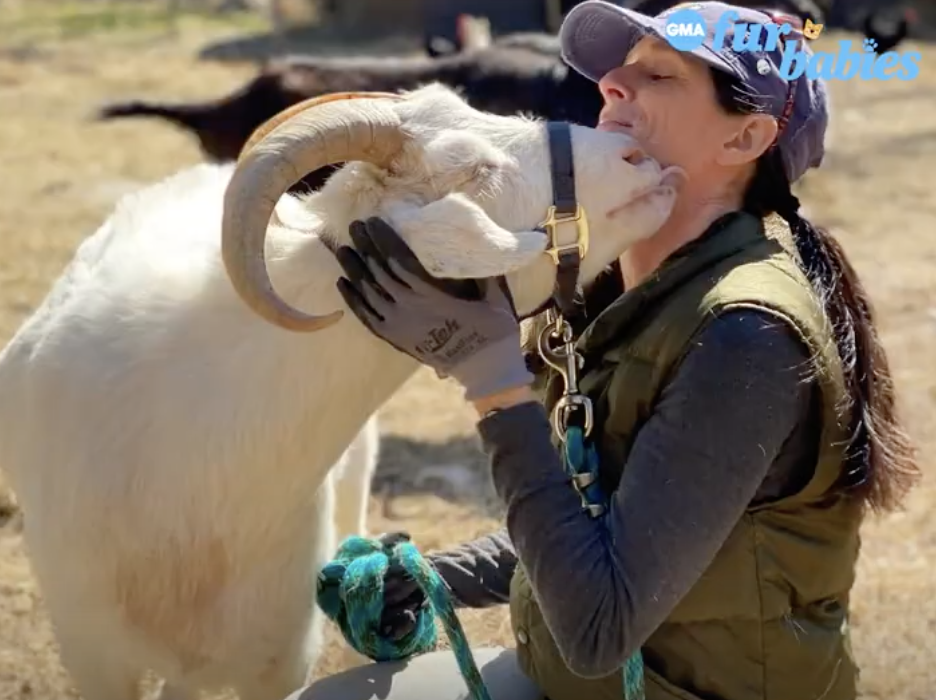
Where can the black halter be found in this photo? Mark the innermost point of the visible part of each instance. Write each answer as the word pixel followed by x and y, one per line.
pixel 567 294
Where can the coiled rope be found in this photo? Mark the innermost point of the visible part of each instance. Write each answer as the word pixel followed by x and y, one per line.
pixel 350 593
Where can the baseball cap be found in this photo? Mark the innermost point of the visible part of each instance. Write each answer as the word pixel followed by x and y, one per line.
pixel 596 37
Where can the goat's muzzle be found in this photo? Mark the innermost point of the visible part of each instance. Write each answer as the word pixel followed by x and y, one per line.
pixel 307 136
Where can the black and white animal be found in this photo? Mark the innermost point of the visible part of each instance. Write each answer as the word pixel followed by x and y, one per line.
pixel 501 79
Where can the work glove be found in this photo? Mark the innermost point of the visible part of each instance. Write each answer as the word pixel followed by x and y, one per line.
pixel 472 337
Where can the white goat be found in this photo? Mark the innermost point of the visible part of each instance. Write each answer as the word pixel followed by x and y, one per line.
pixel 168 445
pixel 351 478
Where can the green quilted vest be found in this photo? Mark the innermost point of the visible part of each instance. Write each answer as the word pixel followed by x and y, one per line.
pixel 768 619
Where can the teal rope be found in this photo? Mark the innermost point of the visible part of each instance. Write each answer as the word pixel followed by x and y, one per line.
pixel 350 593
pixel 582 457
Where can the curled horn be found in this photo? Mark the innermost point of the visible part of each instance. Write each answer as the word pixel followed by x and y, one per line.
pixel 261 131
pixel 334 128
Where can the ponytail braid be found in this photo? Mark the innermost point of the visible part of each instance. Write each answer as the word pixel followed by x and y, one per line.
pixel 880 464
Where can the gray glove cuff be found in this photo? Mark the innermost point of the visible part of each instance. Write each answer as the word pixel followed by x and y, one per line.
pixel 495 368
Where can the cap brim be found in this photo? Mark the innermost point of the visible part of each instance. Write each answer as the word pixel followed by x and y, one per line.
pixel 596 37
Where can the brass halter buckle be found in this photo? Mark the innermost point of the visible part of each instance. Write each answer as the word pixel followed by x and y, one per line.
pixel 551 225
pixel 564 358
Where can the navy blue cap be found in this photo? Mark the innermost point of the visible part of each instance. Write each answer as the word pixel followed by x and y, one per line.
pixel 596 37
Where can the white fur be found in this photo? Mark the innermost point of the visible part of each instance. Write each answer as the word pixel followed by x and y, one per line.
pixel 171 450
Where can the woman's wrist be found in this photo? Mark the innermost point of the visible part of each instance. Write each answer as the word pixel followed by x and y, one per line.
pixel 494 369
pixel 504 399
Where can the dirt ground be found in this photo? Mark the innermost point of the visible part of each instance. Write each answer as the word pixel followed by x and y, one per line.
pixel 61 173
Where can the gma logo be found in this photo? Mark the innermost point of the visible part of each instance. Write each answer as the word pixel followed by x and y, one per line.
pixel 685 29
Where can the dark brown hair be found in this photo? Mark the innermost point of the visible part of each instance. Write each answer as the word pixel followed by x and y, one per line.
pixel 880 465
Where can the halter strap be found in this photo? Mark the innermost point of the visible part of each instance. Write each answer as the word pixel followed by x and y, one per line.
pixel 567 292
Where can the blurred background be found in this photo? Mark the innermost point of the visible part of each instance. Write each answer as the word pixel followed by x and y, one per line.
pixel 101 97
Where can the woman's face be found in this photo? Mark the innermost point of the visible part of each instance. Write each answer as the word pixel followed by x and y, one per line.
pixel 666 100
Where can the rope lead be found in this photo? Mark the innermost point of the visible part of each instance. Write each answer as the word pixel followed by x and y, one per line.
pixel 350 593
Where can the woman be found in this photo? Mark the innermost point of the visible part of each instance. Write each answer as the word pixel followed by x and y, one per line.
pixel 728 381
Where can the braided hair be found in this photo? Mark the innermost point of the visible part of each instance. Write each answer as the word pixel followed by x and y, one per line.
pixel 880 465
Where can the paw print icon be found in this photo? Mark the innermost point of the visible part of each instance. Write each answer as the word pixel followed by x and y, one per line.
pixel 870 45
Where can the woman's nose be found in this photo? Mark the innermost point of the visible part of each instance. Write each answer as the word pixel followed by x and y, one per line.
pixel 614 86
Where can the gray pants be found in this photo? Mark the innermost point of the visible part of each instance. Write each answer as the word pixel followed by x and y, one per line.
pixel 433 676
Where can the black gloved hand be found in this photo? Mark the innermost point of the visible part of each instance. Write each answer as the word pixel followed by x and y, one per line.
pixel 476 341
pixel 403 597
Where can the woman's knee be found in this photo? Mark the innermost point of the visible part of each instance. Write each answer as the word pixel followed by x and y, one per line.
pixel 433 676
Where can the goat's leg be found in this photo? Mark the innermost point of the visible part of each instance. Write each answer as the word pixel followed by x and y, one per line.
pixel 96 674
pixel 353 483
pixel 282 663
pixel 283 637
pixel 95 649
pixel 280 677
pixel 171 691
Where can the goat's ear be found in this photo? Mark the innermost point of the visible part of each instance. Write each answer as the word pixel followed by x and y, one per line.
pixel 460 160
pixel 453 237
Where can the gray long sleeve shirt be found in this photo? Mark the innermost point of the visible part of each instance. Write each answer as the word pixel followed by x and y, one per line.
pixel 736 425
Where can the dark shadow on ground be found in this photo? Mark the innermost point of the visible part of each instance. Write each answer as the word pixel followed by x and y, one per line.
pixel 454 470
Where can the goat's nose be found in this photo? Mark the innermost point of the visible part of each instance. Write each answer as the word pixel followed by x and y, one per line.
pixel 634 154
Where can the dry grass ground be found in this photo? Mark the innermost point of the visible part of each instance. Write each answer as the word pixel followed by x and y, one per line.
pixel 61 173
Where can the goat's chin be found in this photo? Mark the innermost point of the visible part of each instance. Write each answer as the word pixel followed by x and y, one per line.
pixel 632 206
pixel 646 211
